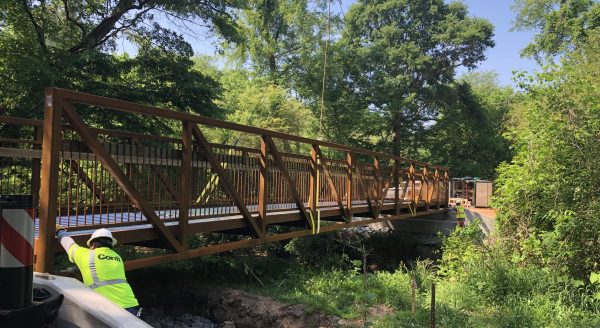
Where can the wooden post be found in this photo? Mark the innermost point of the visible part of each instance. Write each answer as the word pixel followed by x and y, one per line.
pixel 263 179
pixel 437 187
pixel 446 196
pixel 411 177
pixel 433 305
pixel 425 187
pixel 349 177
pixel 49 189
pixel 377 185
pixel 314 187
pixel 184 183
pixel 397 187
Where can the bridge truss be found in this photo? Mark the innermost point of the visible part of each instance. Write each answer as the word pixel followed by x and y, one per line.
pixel 157 190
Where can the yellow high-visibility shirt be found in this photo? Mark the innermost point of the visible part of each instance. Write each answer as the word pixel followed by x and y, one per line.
pixel 460 212
pixel 103 271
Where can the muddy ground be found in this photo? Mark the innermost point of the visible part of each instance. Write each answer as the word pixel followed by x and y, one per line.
pixel 180 297
pixel 231 308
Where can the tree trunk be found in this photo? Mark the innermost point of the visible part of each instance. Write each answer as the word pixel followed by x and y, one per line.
pixel 396 131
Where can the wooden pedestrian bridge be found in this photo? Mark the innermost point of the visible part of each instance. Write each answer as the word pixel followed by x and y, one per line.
pixel 157 188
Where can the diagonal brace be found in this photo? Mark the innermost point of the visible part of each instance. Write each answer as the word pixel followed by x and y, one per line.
pixel 291 183
pixel 344 211
pixel 89 137
pixel 225 182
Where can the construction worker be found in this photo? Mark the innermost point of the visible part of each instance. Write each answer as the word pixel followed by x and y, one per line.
pixel 101 267
pixel 460 215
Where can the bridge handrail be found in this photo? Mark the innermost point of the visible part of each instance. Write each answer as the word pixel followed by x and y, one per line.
pixel 126 106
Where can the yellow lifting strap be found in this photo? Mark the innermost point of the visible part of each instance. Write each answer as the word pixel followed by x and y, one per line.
pixel 317 229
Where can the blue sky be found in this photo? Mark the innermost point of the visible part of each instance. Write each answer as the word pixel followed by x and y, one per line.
pixel 504 58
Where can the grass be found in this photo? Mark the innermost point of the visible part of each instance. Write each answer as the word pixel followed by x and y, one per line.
pixel 477 285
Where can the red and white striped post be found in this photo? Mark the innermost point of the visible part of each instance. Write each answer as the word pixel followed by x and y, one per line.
pixel 16 251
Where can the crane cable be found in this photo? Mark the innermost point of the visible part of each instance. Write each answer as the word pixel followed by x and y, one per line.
pixel 325 68
pixel 317 229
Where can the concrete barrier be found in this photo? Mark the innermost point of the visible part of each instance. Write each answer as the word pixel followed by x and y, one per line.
pixel 488 222
pixel 82 307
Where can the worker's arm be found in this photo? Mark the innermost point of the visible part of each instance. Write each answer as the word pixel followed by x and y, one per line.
pixel 67 243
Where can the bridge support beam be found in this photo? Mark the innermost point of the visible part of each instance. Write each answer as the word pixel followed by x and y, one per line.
pixel 184 182
pixel 44 249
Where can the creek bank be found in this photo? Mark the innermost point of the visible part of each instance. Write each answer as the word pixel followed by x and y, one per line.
pixel 215 287
pixel 228 308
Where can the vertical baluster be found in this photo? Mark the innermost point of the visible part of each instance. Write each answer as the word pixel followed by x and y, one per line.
pixel 425 187
pixel 263 179
pixel 349 178
pixel 314 183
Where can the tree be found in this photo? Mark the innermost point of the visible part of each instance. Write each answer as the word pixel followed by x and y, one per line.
pixel 260 103
pixel 68 44
pixel 560 24
pixel 468 133
pixel 278 37
pixel 547 195
pixel 402 52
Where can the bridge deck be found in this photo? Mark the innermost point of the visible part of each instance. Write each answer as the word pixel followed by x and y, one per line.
pixel 139 230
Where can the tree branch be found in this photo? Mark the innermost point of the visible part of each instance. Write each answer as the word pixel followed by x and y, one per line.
pixel 106 27
pixel 38 30
pixel 73 20
pixel 125 26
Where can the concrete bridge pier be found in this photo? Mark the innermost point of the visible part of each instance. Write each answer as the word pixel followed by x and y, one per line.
pixel 441 222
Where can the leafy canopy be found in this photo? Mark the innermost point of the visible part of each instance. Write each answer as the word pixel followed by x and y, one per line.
pixel 560 24
pixel 68 44
pixel 401 52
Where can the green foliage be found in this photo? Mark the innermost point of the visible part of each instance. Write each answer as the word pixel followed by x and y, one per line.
pixel 401 52
pixel 332 250
pixel 547 194
pixel 560 25
pixel 468 133
pixel 278 38
pixel 67 44
pixel 257 102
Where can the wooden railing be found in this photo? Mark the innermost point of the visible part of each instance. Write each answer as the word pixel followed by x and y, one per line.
pixel 88 178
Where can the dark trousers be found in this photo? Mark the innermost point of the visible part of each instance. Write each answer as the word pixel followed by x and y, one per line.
pixel 135 310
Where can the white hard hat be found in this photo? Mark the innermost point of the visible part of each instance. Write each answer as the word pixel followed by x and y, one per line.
pixel 102 233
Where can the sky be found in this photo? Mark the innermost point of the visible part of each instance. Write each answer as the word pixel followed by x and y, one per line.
pixel 504 58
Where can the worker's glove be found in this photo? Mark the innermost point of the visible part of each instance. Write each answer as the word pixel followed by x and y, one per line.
pixel 59 228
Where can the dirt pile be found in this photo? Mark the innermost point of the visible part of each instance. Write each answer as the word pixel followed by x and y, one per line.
pixel 190 306
pixel 247 310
